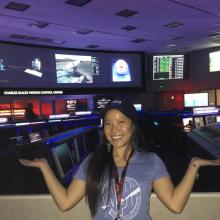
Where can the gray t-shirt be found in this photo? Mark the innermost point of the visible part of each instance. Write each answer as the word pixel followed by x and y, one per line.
pixel 143 169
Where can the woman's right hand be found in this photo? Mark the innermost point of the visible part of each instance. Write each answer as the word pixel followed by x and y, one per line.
pixel 36 163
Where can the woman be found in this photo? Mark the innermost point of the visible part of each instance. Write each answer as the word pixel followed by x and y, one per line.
pixel 117 179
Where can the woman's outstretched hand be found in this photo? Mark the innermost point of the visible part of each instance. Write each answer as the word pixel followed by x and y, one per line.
pixel 198 162
pixel 36 163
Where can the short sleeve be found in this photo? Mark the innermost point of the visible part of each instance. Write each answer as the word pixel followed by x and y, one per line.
pixel 160 168
pixel 81 172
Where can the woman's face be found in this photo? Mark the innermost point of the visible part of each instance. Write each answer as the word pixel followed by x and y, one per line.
pixel 118 129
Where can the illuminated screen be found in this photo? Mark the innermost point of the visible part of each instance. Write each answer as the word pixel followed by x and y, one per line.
pixel 186 121
pixel 214 64
pixel 121 71
pixel 199 122
pixel 138 107
pixel 167 67
pixel 196 99
pixel 210 119
pixel 63 159
pixel 217 118
pixel 53 68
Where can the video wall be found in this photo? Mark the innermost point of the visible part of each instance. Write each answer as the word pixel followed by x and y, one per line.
pixel 40 67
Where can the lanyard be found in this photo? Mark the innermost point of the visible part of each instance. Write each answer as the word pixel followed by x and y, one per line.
pixel 119 184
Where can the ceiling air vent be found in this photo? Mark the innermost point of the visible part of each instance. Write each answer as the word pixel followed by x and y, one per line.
pixel 47 40
pixel 38 24
pixel 174 24
pixel 138 41
pixel 126 13
pixel 17 36
pixel 83 32
pixel 92 46
pixel 78 3
pixel 32 38
pixel 128 28
pixel 176 37
pixel 17 6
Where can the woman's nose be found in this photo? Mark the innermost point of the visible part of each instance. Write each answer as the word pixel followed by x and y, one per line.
pixel 114 127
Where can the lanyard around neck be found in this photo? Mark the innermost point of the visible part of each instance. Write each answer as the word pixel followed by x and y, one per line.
pixel 119 183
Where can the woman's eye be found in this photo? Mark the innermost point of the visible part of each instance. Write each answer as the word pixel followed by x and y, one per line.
pixel 122 121
pixel 106 123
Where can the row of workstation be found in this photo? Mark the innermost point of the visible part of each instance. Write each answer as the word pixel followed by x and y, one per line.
pixel 20 132
pixel 63 150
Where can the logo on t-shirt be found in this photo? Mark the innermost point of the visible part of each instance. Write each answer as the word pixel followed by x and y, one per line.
pixel 130 202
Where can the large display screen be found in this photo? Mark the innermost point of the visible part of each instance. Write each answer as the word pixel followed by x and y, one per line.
pixel 41 67
pixel 196 99
pixel 214 64
pixel 167 67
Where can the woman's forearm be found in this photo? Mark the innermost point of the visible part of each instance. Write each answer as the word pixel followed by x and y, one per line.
pixel 182 191
pixel 56 189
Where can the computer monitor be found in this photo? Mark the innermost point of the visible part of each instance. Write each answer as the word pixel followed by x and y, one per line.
pixel 217 118
pixel 35 136
pixel 199 122
pixel 210 119
pixel 62 159
pixel 138 107
pixel 81 146
pixel 196 99
pixel 187 122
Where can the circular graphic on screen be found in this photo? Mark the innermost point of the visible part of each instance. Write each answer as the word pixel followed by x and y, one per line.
pixel 121 71
pixel 121 67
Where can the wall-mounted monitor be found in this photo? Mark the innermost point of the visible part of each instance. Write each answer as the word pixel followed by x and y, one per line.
pixel 64 69
pixel 196 99
pixel 166 67
pixel 214 64
pixel 199 122
pixel 62 159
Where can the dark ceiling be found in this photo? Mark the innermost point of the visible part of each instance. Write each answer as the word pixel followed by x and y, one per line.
pixel 152 26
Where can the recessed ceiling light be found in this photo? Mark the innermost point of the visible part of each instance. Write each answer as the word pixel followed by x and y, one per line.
pixel 78 3
pixel 126 13
pixel 128 28
pixel 17 6
pixel 170 45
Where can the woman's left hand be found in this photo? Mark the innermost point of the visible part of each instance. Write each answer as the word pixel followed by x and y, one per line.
pixel 198 162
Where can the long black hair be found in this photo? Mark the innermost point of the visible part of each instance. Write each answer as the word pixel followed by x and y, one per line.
pixel 101 166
